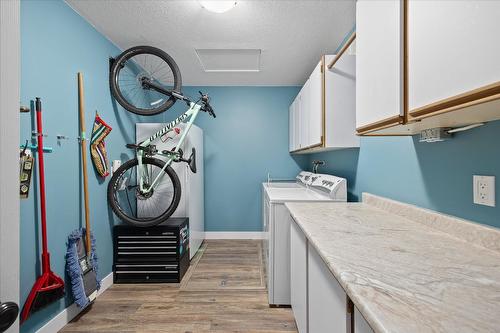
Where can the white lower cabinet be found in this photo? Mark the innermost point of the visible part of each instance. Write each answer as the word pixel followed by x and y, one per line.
pixel 319 303
pixel 279 251
pixel 298 277
pixel 327 300
pixel 360 324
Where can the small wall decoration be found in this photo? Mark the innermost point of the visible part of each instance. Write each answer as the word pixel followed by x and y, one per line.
pixel 98 147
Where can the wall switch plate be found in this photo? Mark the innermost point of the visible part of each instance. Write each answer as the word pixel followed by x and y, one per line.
pixel 115 165
pixel 484 190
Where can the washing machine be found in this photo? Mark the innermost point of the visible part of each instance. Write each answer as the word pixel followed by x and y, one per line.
pixel 307 187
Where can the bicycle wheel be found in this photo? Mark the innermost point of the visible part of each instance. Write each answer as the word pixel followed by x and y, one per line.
pixel 133 66
pixel 144 209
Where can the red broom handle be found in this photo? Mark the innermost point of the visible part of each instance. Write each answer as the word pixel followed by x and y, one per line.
pixel 45 251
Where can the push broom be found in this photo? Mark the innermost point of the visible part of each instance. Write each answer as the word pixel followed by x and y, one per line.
pixel 81 258
pixel 48 287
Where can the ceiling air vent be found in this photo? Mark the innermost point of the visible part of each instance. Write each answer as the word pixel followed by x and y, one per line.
pixel 229 60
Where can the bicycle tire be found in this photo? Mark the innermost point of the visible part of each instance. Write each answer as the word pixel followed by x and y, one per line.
pixel 117 66
pixel 143 222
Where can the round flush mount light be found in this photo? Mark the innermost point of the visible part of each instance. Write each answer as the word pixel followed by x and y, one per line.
pixel 218 6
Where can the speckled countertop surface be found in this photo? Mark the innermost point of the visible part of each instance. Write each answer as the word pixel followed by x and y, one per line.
pixel 404 275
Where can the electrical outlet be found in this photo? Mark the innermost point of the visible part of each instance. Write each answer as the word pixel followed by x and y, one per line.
pixel 484 190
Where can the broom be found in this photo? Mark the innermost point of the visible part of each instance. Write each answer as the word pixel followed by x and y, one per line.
pixel 81 258
pixel 48 287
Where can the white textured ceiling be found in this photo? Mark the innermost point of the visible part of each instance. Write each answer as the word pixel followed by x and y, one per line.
pixel 291 34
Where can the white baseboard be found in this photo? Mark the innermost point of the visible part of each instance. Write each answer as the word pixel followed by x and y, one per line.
pixel 66 315
pixel 234 235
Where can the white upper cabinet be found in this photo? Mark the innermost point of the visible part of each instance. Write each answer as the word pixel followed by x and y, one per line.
pixel 340 101
pixel 304 115
pixel 326 107
pixel 291 127
pixel 431 64
pixel 379 62
pixel 452 49
pixel 315 107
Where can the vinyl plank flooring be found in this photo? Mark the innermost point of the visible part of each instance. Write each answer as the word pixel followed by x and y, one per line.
pixel 222 292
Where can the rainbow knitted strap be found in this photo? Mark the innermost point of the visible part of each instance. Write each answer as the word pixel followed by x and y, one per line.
pixel 98 147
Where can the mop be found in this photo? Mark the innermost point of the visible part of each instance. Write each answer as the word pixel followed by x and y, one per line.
pixel 81 258
pixel 48 287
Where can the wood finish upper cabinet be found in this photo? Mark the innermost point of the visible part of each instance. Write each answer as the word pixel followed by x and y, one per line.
pixel 379 63
pixel 453 50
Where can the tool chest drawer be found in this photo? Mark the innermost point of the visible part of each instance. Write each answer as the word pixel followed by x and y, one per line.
pixel 153 248
pixel 152 273
pixel 151 254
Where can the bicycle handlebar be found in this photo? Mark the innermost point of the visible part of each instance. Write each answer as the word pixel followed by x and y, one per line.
pixel 205 99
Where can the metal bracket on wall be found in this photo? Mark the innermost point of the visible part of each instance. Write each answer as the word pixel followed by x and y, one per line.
pixel 45 149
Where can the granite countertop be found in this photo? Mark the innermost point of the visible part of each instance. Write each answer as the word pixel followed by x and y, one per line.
pixel 405 268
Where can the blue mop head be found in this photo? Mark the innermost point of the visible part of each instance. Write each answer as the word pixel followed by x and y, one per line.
pixel 75 272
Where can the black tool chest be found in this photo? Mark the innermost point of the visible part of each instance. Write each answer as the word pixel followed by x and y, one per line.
pixel 151 254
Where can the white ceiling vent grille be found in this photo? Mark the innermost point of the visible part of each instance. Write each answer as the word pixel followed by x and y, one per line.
pixel 229 60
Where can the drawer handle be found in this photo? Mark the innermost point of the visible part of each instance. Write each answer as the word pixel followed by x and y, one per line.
pixel 146 241
pixel 145 247
pixel 146 253
pixel 145 236
pixel 122 265
pixel 146 272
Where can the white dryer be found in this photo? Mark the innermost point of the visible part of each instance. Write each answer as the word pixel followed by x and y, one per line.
pixel 191 204
pixel 276 224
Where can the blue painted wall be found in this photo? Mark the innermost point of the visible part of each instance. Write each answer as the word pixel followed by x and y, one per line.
pixel 56 43
pixel 437 176
pixel 247 140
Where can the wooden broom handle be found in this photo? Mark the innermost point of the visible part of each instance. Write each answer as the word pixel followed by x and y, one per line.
pixel 84 160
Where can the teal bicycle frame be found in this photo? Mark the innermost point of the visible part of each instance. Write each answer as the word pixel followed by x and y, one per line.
pixel 191 113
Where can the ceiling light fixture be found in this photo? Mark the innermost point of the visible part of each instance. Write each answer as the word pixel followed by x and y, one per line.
pixel 218 6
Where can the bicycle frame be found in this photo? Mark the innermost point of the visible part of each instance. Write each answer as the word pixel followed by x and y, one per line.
pixel 191 113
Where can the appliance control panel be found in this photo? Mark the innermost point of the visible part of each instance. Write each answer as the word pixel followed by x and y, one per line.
pixel 335 187
pixel 305 177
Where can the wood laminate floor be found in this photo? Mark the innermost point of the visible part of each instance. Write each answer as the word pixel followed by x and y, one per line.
pixel 223 291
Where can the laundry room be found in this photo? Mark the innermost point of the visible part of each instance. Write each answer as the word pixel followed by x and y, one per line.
pixel 249 166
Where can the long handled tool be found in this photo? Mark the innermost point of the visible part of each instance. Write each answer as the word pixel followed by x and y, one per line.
pixel 48 287
pixel 81 258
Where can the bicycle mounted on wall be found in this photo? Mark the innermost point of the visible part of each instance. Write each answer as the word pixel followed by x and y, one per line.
pixel 145 190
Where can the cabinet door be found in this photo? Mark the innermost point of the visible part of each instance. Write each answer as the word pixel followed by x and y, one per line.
pixel 291 127
pixel 452 49
pixel 360 324
pixel 379 63
pixel 265 228
pixel 315 106
pixel 298 276
pixel 297 119
pixel 340 102
pixel 327 300
pixel 281 255
pixel 304 115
